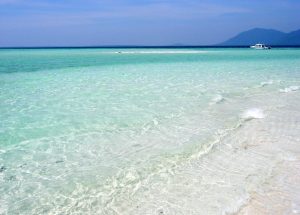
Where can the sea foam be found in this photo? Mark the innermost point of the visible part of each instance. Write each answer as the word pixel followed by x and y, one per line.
pixel 289 89
pixel 253 113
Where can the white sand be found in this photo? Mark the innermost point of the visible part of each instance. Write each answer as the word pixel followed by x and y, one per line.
pixel 254 169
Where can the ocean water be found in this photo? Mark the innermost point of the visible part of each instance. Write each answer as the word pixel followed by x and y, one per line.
pixel 149 131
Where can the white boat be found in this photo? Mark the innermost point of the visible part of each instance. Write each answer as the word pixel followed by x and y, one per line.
pixel 260 46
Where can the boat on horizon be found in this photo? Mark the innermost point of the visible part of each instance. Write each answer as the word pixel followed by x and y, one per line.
pixel 260 46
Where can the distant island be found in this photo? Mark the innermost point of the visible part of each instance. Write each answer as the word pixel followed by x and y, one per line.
pixel 266 36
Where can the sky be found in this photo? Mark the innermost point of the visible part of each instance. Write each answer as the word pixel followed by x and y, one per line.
pixel 139 22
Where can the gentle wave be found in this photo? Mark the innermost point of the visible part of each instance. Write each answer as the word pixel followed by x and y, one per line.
pixel 289 89
pixel 217 99
pixel 265 83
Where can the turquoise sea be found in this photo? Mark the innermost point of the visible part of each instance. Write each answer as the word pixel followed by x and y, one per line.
pixel 149 131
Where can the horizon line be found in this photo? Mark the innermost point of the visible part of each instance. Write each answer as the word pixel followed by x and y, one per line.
pixel 141 46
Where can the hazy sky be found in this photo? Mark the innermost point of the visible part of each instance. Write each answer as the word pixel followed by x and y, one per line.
pixel 138 22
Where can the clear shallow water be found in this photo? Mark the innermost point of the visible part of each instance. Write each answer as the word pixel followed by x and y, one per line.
pixel 99 131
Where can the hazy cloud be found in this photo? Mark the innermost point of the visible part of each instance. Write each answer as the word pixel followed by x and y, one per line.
pixel 151 21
